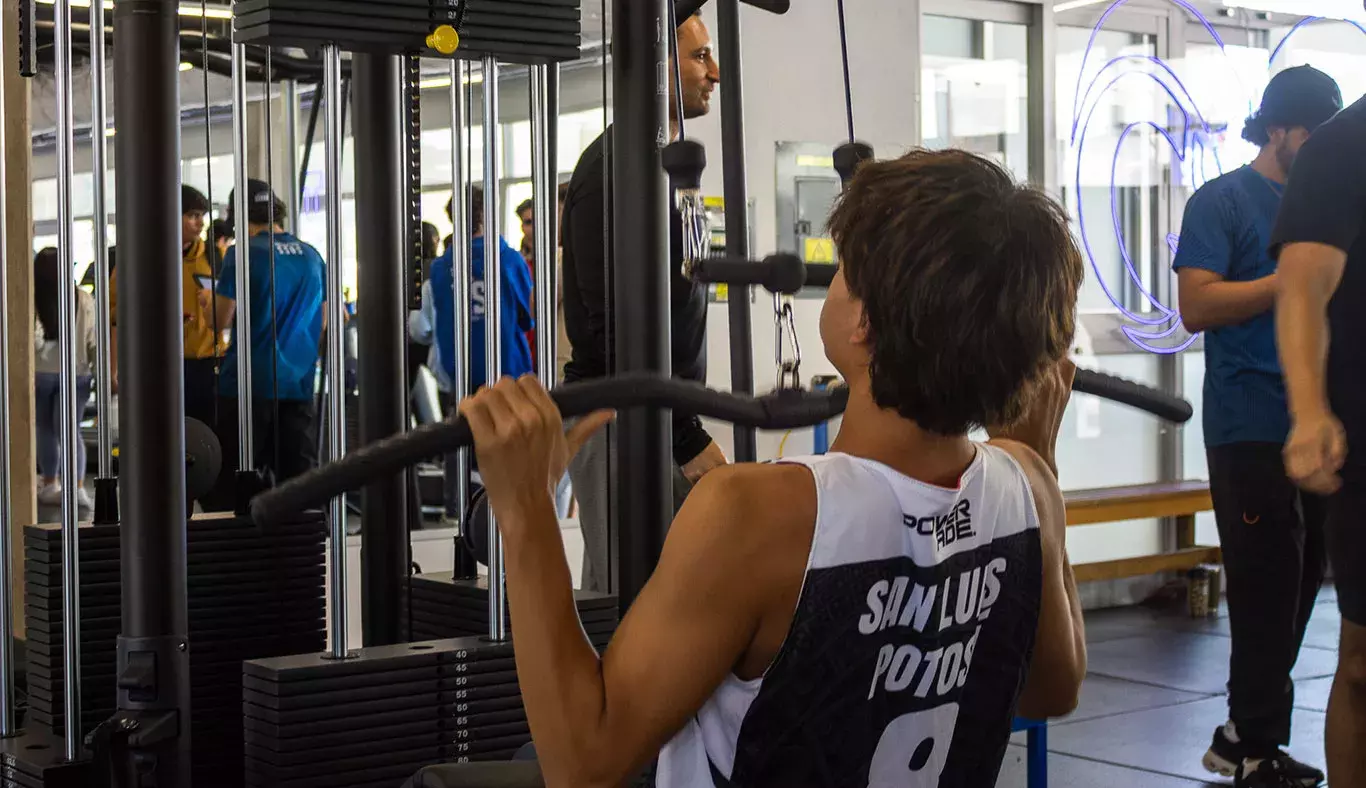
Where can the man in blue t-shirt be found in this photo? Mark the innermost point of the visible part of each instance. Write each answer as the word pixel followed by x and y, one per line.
pixel 435 324
pixel 1271 533
pixel 516 308
pixel 287 321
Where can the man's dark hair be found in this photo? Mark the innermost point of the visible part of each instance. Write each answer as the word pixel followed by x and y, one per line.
pixel 431 240
pixel 260 214
pixel 476 208
pixel 968 281
pixel 221 229
pixel 1256 131
pixel 524 207
pixel 192 200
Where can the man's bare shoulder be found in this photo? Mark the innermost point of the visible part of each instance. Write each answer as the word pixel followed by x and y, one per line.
pixel 1044 485
pixel 752 504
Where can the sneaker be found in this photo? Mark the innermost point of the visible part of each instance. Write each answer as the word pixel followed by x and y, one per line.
pixel 50 494
pixel 84 501
pixel 1227 753
pixel 1269 773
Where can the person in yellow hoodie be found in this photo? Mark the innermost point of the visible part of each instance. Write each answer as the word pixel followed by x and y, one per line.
pixel 205 343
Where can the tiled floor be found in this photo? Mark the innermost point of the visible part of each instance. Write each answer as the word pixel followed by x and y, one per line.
pixel 1154 695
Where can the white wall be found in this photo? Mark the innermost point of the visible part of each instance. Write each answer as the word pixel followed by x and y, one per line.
pixel 794 92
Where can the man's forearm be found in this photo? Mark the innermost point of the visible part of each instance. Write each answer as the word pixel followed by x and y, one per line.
pixel 1302 341
pixel 1228 303
pixel 559 671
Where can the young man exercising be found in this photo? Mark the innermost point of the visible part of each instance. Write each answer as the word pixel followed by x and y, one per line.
pixel 871 617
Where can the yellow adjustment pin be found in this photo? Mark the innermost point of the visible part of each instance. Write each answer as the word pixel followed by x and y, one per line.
pixel 444 39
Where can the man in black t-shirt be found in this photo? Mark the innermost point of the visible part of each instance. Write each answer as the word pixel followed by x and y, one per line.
pixel 1321 241
pixel 588 310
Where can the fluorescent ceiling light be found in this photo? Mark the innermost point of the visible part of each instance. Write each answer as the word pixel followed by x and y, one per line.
pixel 186 66
pixel 445 82
pixel 1072 5
pixel 1337 9
pixel 109 132
pixel 186 9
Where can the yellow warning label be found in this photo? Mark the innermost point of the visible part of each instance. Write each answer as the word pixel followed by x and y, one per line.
pixel 820 162
pixel 820 250
pixel 722 292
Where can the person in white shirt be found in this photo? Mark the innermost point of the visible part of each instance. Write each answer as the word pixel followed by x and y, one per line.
pixel 47 380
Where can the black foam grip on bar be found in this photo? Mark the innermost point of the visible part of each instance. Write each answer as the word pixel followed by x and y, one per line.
pixel 820 274
pixel 778 273
pixel 1135 395
pixel 781 411
pixel 684 160
pixel 28 44
pixel 849 156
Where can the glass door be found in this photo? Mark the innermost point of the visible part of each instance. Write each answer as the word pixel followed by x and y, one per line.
pixel 974 81
pixel 1113 110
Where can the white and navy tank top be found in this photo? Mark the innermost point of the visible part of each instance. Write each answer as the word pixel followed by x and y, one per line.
pixel 907 651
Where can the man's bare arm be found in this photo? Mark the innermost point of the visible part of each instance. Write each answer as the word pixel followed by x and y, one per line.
pixel 1309 275
pixel 1059 662
pixel 1209 301
pixel 596 722
pixel 224 310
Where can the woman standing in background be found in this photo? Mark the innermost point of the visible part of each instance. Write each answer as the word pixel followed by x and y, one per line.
pixel 47 283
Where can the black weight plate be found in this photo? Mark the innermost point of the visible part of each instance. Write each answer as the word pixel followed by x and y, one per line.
pixel 310 36
pixel 378 659
pixel 285 736
pixel 357 714
pixel 93 592
pixel 472 748
pixel 44 552
pixel 325 733
pixel 295 688
pixel 430 727
pixel 52 625
pixel 351 767
pixel 564 22
pixel 375 752
pixel 54 676
pixel 418 29
pixel 262 775
pixel 504 682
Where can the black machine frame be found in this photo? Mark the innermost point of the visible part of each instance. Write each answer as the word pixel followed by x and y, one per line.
pixel 147 742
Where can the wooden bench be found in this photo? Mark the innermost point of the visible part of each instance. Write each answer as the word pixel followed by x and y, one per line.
pixel 1178 500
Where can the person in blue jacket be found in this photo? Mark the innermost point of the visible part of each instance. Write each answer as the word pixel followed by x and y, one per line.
pixel 287 322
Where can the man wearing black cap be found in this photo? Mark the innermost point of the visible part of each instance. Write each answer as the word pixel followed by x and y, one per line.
pixel 1271 533
pixel 287 300
pixel 588 307
pixel 1321 330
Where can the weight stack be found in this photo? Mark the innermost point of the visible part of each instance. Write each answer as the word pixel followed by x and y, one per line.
pixel 36 759
pixel 515 31
pixel 375 719
pixel 252 593
pixel 444 607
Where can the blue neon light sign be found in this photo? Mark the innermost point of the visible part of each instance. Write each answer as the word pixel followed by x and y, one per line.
pixel 1190 139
